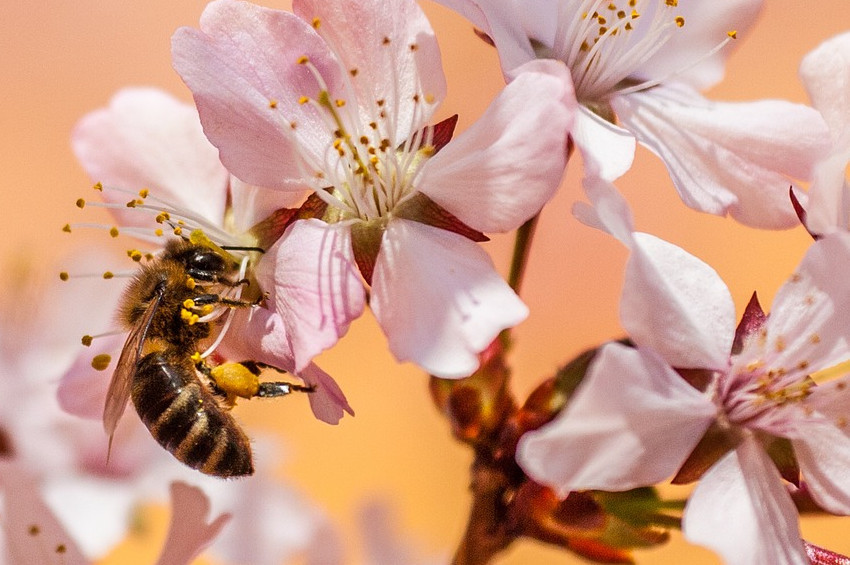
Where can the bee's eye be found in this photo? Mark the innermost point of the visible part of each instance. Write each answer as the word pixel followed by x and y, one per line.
pixel 205 265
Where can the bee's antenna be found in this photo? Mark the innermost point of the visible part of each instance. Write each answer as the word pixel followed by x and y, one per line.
pixel 242 248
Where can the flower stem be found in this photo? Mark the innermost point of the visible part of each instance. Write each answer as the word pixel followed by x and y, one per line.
pixel 522 246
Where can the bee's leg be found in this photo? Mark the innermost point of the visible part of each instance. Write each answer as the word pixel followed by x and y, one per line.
pixel 271 389
pixel 204 299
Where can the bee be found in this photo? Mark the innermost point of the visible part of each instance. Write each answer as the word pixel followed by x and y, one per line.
pixel 169 308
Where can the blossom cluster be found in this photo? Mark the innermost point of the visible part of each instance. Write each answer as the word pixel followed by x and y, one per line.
pixel 314 161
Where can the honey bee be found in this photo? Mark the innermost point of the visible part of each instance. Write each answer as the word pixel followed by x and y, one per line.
pixel 185 403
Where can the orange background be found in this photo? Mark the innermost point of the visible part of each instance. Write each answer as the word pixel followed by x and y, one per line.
pixel 62 59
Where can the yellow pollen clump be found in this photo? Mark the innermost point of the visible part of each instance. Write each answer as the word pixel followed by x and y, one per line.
pixel 207 309
pixel 101 362
pixel 87 339
pixel 108 275
pixel 339 102
pixel 303 100
pixel 190 283
pixel 680 21
pixel 64 276
pixel 188 303
pixel 316 22
pixel 158 232
pixel 144 193
pixel 302 60
pixel 189 317
pixel 66 228
pixel 113 231
pixel 272 103
pixel 81 203
pixel 196 357
pixel 732 34
pixel 98 186
pixel 673 3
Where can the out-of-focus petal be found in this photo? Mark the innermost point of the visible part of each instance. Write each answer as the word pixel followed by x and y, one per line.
pixel 807 322
pixel 328 401
pixel 608 211
pixel 314 285
pixel 82 390
pixel 828 208
pixel 608 150
pixel 378 42
pixel 706 24
pixel 247 83
pixel 253 204
pixel 32 532
pixel 733 158
pixel 741 510
pixel 632 422
pixel 439 298
pixel 503 169
pixel 189 533
pixel 146 138
pixel 677 305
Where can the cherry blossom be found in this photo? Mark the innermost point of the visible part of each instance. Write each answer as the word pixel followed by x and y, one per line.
pixel 638 68
pixel 155 169
pixel 825 73
pixel 635 420
pixel 337 97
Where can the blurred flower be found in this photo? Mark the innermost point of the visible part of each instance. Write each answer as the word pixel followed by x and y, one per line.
pixel 825 73
pixel 149 147
pixel 635 420
pixel 638 68
pixel 337 97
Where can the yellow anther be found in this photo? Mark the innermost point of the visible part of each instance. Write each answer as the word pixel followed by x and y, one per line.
pixel 101 362
pixel 81 203
pixel 134 254
pixel 680 21
pixel 303 100
pixel 386 41
pixel 98 186
pixel 188 304
pixel 353 72
pixel 673 3
pixel 414 47
pixel 272 103
pixel 144 193
pixel 87 339
pixel 316 23
pixel 815 339
pixel 293 125
pixel 429 98
pixel 64 276
pixel 131 203
pixel 339 102
pixel 66 228
pixel 178 230
pixel 380 102
pixel 733 34
pixel 190 283
pixel 108 275
pixel 207 309
pixel 162 217
pixel 113 231
pixel 302 60
pixel 196 357
pixel 189 317
pixel 635 14
pixel 158 232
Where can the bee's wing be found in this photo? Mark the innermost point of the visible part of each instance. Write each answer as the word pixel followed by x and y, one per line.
pixel 122 378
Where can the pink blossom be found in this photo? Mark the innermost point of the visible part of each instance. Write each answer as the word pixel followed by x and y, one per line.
pixel 825 73
pixel 148 142
pixel 337 97
pixel 638 68
pixel 634 420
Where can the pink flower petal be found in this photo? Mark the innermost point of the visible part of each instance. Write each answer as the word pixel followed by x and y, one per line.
pixel 328 401
pixel 34 536
pixel 823 451
pixel 706 23
pixel 253 204
pixel 147 139
pixel 609 211
pixel 632 422
pixel 741 510
pixel 314 285
pixel 189 533
pixel 728 158
pixel 677 305
pixel 388 68
pixel 608 150
pixel 439 299
pixel 503 169
pixel 82 390
pixel 242 68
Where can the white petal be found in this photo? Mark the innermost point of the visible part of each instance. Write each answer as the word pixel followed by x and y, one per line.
pixel 677 305
pixel 439 299
pixel 741 510
pixel 728 158
pixel 607 150
pixel 825 73
pixel 828 208
pixel 502 170
pixel 609 211
pixel 253 204
pixel 146 138
pixel 808 320
pixel 632 422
